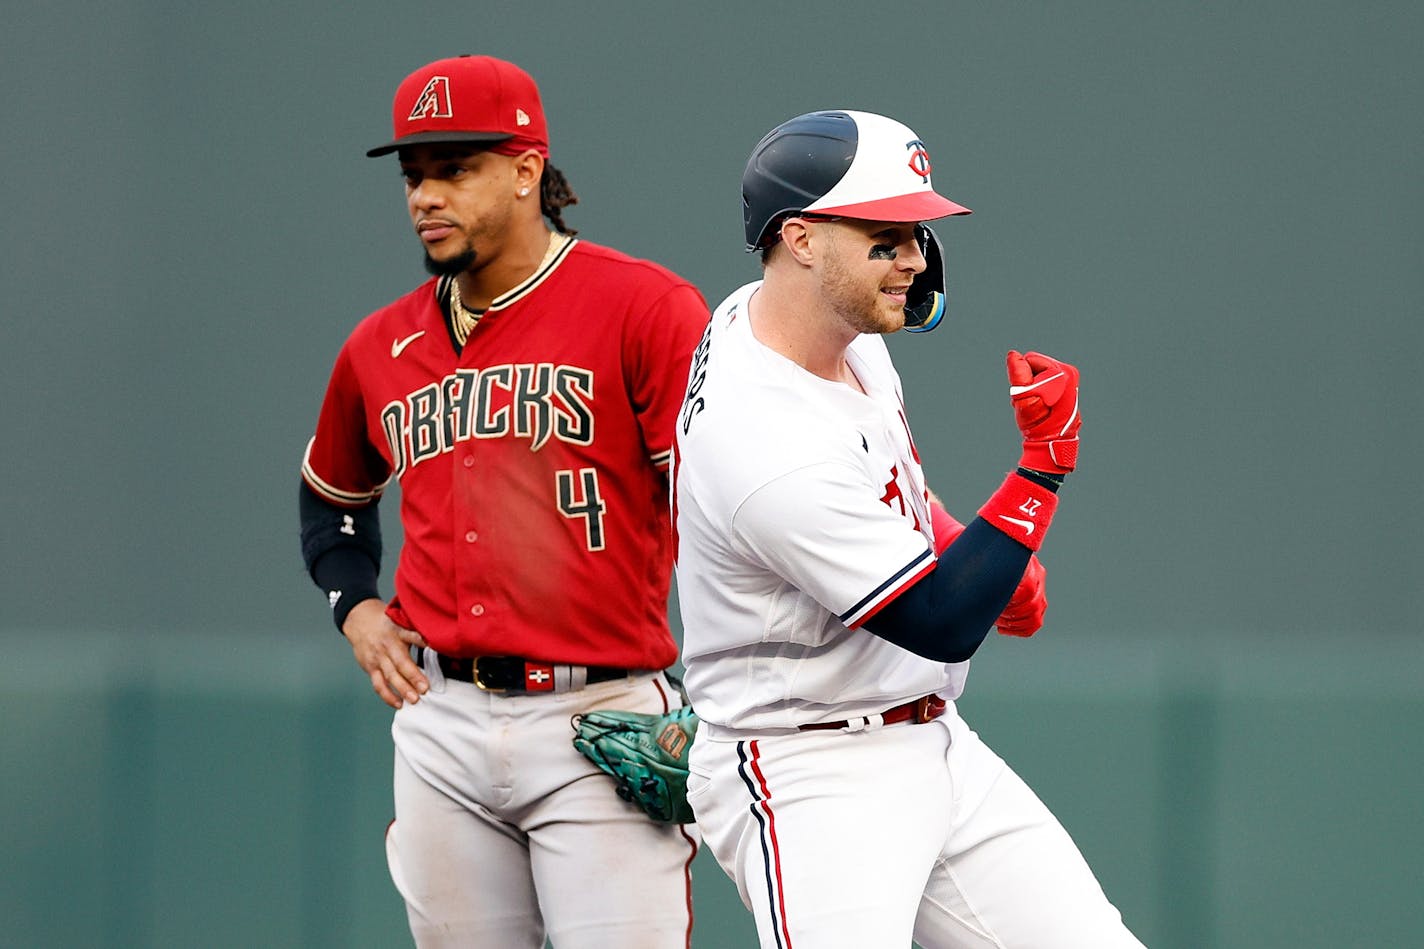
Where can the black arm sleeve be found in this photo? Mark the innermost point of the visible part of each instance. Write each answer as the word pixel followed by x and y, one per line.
pixel 342 550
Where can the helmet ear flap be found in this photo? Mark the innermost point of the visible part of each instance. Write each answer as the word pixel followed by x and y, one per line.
pixel 925 302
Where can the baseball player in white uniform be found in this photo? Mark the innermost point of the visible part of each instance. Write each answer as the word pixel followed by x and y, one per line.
pixel 830 604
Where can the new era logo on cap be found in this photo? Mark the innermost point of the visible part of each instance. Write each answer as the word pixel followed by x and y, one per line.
pixel 475 99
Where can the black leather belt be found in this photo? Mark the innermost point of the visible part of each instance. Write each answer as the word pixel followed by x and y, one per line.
pixel 516 674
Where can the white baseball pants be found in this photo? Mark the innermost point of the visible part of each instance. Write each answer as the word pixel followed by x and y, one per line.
pixel 850 840
pixel 504 832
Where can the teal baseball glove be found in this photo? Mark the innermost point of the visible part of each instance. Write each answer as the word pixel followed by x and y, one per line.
pixel 646 755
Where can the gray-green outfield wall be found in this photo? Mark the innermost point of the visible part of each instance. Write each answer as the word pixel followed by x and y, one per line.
pixel 197 794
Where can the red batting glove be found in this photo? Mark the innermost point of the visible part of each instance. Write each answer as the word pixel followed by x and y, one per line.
pixel 1024 614
pixel 1044 393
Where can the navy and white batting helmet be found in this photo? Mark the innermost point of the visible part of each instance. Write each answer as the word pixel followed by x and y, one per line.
pixel 849 164
pixel 842 164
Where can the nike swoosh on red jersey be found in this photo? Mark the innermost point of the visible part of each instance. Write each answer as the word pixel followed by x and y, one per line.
pixel 399 345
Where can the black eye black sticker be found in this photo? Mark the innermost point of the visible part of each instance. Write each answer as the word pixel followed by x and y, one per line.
pixel 882 252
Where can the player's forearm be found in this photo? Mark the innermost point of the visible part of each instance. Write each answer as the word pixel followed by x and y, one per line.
pixel 949 611
pixel 348 577
pixel 342 551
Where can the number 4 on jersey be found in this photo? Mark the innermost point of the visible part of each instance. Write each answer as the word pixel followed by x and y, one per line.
pixel 585 503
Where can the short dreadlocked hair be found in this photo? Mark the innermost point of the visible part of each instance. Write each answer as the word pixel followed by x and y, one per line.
pixel 555 195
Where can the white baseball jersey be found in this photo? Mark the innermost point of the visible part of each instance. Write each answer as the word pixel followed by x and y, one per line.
pixel 800 510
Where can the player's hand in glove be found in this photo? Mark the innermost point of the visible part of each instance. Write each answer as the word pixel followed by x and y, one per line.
pixel 645 754
pixel 1024 614
pixel 1044 393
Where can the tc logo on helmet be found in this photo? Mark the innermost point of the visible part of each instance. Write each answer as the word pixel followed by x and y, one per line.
pixel 433 101
pixel 919 159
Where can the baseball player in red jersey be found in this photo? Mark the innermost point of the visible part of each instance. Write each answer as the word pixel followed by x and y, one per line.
pixel 524 400
pixel 830 605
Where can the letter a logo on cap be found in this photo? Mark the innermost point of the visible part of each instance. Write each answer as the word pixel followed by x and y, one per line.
pixel 433 101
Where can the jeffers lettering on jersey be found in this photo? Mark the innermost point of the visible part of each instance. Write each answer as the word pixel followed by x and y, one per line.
pixel 693 403
pixel 537 401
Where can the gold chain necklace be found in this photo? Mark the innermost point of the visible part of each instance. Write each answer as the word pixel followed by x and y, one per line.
pixel 465 319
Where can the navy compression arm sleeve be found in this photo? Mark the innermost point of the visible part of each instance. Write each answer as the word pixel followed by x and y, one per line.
pixel 947 613
pixel 342 550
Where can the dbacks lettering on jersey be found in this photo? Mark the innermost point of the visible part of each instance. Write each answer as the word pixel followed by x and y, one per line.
pixel 537 401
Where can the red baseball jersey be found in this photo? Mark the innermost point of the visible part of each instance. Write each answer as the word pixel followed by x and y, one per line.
pixel 532 460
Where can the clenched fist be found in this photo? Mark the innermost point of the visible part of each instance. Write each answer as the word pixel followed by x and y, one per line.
pixel 1044 393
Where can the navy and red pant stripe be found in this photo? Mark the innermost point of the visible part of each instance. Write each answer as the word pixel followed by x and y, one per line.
pixel 752 775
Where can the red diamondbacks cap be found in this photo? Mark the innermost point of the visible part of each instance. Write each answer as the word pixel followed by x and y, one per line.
pixel 468 99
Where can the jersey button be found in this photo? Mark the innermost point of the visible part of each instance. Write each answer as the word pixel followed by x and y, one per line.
pixel 469 461
pixel 477 610
pixel 471 537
